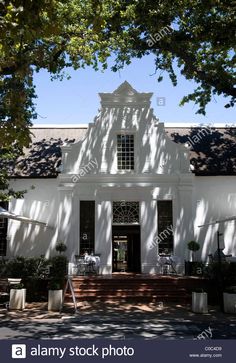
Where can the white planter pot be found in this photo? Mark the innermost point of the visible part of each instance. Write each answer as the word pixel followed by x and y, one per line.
pixel 14 281
pixel 72 269
pixel 54 300
pixel 229 303
pixel 17 299
pixel 199 302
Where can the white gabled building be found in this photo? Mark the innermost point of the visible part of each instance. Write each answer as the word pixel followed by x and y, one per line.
pixel 127 188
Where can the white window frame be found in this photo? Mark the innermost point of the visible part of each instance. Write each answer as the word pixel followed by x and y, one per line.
pixel 126 171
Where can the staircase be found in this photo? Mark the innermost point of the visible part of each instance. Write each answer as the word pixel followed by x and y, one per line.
pixel 139 288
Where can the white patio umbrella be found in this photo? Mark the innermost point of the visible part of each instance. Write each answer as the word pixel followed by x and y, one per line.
pixel 229 219
pixel 5 214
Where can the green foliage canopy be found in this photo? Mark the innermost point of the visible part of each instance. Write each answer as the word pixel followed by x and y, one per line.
pixel 54 35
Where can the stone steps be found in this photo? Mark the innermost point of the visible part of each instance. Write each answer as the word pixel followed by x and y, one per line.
pixel 135 288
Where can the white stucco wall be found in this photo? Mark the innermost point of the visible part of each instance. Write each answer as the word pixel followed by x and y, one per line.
pixel 40 203
pixel 215 199
pixel 125 111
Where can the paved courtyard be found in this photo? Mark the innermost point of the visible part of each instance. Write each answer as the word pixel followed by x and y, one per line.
pixel 113 321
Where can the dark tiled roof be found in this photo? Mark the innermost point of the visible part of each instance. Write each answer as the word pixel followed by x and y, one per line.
pixel 213 150
pixel 211 153
pixel 43 158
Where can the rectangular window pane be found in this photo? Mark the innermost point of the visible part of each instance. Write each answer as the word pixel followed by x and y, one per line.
pixel 165 223
pixel 3 231
pixel 125 152
pixel 87 226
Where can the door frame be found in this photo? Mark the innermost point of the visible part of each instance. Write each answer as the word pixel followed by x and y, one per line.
pixel 129 229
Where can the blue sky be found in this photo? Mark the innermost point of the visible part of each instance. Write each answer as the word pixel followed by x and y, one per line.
pixel 76 101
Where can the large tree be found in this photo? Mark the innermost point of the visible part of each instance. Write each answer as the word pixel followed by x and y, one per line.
pixel 198 35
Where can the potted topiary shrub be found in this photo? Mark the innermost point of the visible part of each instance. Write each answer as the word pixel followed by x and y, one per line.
pixel 193 247
pixel 58 270
pixel 61 247
pixel 199 301
pixel 229 297
pixel 55 295
pixel 17 297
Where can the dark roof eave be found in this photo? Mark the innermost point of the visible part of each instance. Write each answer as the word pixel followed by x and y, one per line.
pixel 207 173
pixel 197 173
pixel 34 177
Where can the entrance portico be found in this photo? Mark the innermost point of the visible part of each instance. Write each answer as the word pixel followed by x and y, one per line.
pixel 138 186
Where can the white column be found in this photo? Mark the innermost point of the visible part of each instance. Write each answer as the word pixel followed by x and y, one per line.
pixel 148 221
pixel 65 221
pixel 66 149
pixel 103 234
pixel 183 231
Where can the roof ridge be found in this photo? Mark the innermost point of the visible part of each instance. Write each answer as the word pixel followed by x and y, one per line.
pixel 166 125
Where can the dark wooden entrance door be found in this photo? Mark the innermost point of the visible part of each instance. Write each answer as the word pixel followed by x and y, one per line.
pixel 126 249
